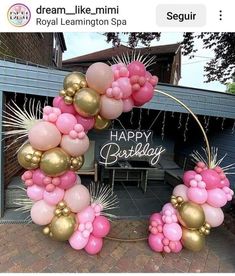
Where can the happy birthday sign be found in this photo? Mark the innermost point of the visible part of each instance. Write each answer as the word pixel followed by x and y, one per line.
pixel 130 144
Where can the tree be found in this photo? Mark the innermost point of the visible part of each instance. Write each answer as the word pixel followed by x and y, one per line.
pixel 220 68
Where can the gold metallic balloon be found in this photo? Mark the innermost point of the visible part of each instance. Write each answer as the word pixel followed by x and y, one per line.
pixel 87 102
pixel 101 123
pixel 61 205
pixel 191 215
pixel 28 157
pixel 192 239
pixel 76 163
pixel 74 78
pixel 46 230
pixel 55 162
pixel 63 227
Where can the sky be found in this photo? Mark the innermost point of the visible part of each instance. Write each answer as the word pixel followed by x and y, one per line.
pixel 192 70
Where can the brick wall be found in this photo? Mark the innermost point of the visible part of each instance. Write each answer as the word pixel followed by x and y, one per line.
pixel 33 47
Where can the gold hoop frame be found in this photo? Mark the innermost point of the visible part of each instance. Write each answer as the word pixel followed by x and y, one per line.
pixel 207 149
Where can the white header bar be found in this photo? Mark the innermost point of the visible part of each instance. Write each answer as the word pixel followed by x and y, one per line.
pixel 116 16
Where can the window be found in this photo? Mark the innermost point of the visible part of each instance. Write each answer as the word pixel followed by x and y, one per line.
pixel 56 50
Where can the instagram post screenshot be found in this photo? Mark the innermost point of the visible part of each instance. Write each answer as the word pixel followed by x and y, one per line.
pixel 117 136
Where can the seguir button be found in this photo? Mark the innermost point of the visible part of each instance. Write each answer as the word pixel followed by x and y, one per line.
pixel 181 15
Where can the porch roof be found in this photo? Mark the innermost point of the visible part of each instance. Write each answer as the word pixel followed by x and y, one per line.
pixel 37 80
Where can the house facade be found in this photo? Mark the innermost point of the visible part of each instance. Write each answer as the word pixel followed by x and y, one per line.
pixel 167 65
pixel 37 48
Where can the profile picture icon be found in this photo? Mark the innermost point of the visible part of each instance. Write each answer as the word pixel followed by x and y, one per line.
pixel 18 15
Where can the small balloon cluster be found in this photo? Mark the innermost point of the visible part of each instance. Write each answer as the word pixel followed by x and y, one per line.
pixel 194 209
pixel 57 142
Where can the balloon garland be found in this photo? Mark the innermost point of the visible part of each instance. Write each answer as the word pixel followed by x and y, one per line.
pixel 55 150
pixel 57 142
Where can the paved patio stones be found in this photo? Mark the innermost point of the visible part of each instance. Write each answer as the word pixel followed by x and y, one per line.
pixel 25 249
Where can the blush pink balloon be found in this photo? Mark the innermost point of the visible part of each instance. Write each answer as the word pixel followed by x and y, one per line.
pixel 87 123
pixel 68 180
pixel 42 213
pixel 110 108
pixel 66 122
pixel 181 190
pixel 172 231
pixel 77 198
pixel 38 177
pixel 65 108
pixel 99 77
pixel 188 176
pixel 125 87
pixel 86 215
pixel 156 217
pixel 128 104
pixel 155 242
pixel 78 241
pixel 44 136
pixel 35 192
pixel 144 94
pixel 214 216
pixel 74 147
pixel 136 68
pixel 169 206
pixel 94 245
pixel 211 178
pixel 53 197
pixel 101 227
pixel 197 195
pixel 216 197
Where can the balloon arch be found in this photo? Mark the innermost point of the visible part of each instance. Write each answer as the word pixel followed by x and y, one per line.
pixel 54 153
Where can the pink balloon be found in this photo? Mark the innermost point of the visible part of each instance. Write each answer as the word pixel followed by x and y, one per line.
pixel 68 180
pixel 38 177
pixel 35 192
pixel 94 245
pixel 44 136
pixel 125 87
pixel 87 123
pixel 216 197
pixel 77 198
pixel 78 241
pixel 128 104
pixel 224 183
pixel 66 122
pixel 42 213
pixel 56 101
pixel 101 227
pixel 65 108
pixel 169 206
pixel 86 215
pixel 197 195
pixel 136 68
pixel 188 175
pixel 143 95
pixel 214 216
pixel 177 246
pixel 53 197
pixel 155 242
pixel 211 178
pixel 99 77
pixel 181 190
pixel 110 108
pixel 156 217
pixel 74 147
pixel 172 231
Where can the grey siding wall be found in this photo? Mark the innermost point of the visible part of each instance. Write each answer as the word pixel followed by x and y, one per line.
pixel 47 82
